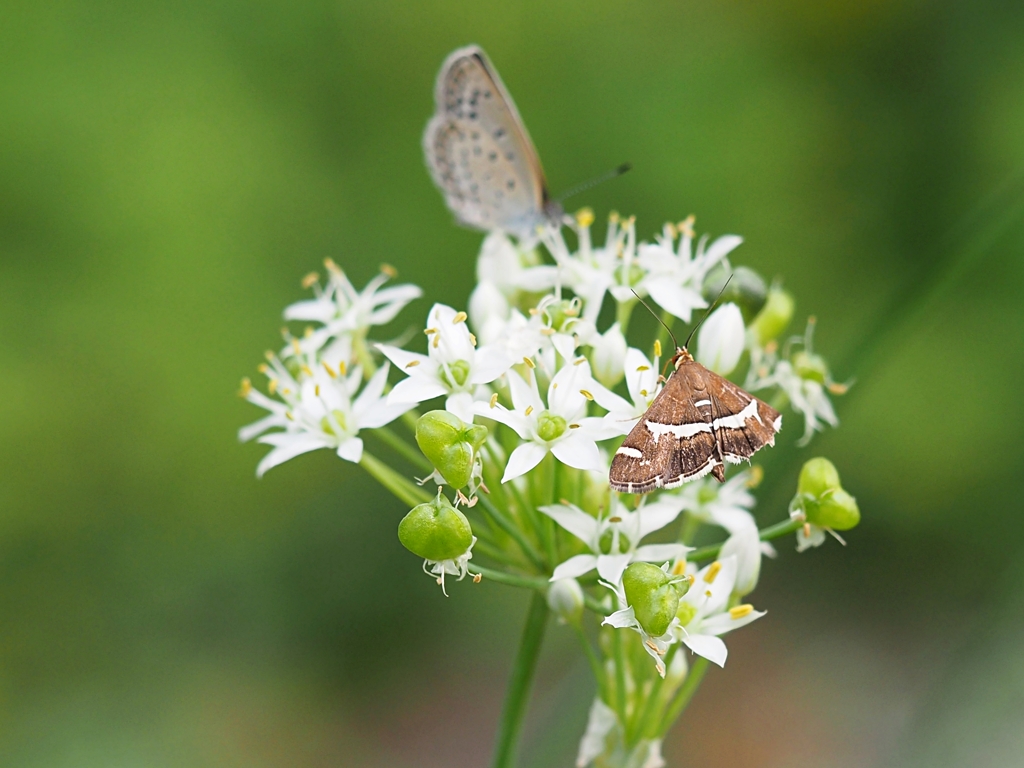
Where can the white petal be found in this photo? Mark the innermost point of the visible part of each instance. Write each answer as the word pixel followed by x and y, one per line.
pixel 660 553
pixel 621 619
pixel 315 310
pixel 489 363
pixel 608 356
pixel 372 391
pixel 416 389
pixel 708 646
pixel 295 445
pixel 678 300
pixel 724 622
pixel 655 516
pixel 721 339
pixel 523 459
pixel 524 395
pixel 401 358
pixel 579 451
pixel 721 248
pixel 610 567
pixel 351 450
pixel 600 722
pixel 574 567
pixel 460 404
pixel 577 522
pixel 247 433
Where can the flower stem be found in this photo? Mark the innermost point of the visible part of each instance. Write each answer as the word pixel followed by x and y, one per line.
pixel 595 663
pixel 402 488
pixel 400 446
pixel 689 687
pixel 513 580
pixel 767 534
pixel 642 724
pixel 509 527
pixel 518 695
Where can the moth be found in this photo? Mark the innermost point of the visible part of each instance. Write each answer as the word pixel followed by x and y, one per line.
pixel 479 152
pixel 697 422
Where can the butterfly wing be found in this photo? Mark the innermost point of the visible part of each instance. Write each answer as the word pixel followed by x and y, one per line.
pixel 479 152
pixel 674 441
pixel 743 424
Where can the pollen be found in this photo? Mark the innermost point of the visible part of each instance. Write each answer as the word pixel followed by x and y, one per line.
pixel 586 394
pixel 615 519
pixel 472 339
pixel 307 331
pixel 263 368
pixel 437 340
pixel 807 530
pixel 429 331
pixel 342 368
pixel 330 265
pixel 739 611
pixel 272 386
pixel 679 568
pixel 642 368
pixel 580 361
pixel 529 410
pixel 837 389
pixel 388 270
pixel 686 226
pixel 460 317
pixel 310 280
pixel 269 355
pixel 494 400
pixel 477 578
pixel 643 393
pixel 327 368
pixel 712 573
pixel 657 348
pixel 585 217
pixel 547 331
pixel 295 347
pixel 529 363
pixel 288 415
pixel 412 363
pixel 613 217
pixel 574 426
pixel 534 311
pixel 307 370
pixel 246 388
pixel 316 390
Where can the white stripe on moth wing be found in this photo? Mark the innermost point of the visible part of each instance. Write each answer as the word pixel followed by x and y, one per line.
pixel 739 420
pixel 777 424
pixel 677 430
pixel 699 403
pixel 675 482
pixel 633 453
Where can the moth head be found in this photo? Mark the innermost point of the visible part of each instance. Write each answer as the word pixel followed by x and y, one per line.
pixel 681 356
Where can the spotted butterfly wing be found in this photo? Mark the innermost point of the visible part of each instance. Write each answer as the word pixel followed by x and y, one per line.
pixel 479 152
pixel 697 422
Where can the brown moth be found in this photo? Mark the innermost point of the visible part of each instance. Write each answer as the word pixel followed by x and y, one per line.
pixel 697 422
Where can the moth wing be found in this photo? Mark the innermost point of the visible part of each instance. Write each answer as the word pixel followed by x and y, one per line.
pixel 743 423
pixel 479 152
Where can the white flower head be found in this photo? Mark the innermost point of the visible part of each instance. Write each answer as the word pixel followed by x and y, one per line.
pixel 511 268
pixel 341 309
pixel 453 366
pixel 604 737
pixel 704 613
pixel 560 426
pixel 322 410
pixel 614 540
pixel 721 340
pixel 642 384
pixel 608 356
pixel 675 277
pixel 725 504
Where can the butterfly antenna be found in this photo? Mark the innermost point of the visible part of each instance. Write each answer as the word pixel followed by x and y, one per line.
pixel 656 317
pixel 706 313
pixel 612 174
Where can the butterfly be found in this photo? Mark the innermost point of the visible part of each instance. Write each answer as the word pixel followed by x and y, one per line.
pixel 697 422
pixel 479 153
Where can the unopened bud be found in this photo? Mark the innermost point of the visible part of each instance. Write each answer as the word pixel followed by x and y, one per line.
pixel 773 318
pixel 436 530
pixel 609 356
pixel 818 476
pixel 653 597
pixel 565 598
pixel 721 340
pixel 837 510
pixel 746 289
pixel 449 444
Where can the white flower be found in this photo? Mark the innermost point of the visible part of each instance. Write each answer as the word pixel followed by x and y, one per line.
pixel 320 411
pixel 809 535
pixel 807 396
pixel 745 544
pixel 452 366
pixel 721 340
pixel 725 504
pixel 457 566
pixel 614 540
pixel 608 356
pixel 625 618
pixel 489 311
pixel 641 383
pixel 704 614
pixel 604 737
pixel 510 268
pixel 674 279
pixel 560 427
pixel 343 310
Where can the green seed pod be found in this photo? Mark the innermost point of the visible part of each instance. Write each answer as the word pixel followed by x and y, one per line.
pixel 746 289
pixel 455 374
pixel 836 509
pixel 817 477
pixel 773 318
pixel 550 426
pixel 652 596
pixel 449 444
pixel 436 530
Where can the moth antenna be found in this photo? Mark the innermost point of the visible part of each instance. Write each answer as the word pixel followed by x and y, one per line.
pixel 706 313
pixel 656 317
pixel 584 186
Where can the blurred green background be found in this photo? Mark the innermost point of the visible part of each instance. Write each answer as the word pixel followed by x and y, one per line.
pixel 169 172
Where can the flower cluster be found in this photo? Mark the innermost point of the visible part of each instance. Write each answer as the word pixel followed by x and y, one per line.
pixel 533 387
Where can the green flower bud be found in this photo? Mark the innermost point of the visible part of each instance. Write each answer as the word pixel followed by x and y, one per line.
pixel 436 530
pixel 562 312
pixel 550 426
pixel 653 597
pixel 746 289
pixel 605 543
pixel 817 477
pixel 773 318
pixel 449 444
pixel 455 374
pixel 810 366
pixel 565 598
pixel 837 510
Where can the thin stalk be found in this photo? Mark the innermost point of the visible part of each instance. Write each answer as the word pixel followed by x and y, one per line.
pixel 620 677
pixel 767 534
pixel 518 695
pixel 509 527
pixel 403 489
pixel 537 583
pixel 410 454
pixel 494 553
pixel 623 311
pixel 689 687
pixel 595 663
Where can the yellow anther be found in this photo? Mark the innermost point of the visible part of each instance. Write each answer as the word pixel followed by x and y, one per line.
pixel 812 320
pixel 657 348
pixel 712 574
pixel 579 361
pixel 460 317
pixel 295 347
pixel 269 355
pixel 807 530
pixel 673 230
pixel 388 270
pixel 771 347
pixel 707 593
pixel 286 391
pixel 288 415
pixel 437 340
pixel 548 331
pixel 329 264
pixel 613 217
pixel 686 226
pixel 307 331
pixel 272 386
pixel 246 388
pixel 412 363
pixel 534 311
pixel 585 217
pixel 837 389
pixel 642 368
pixel 586 394
pixel 529 363
pixel 679 568
pixel 477 578
pixel 739 611
pixel 307 370
pixel 643 393
pixel 494 399
pixel 572 312
pixel 472 339
pixel 529 410
pixel 310 280
pixel 574 426
pixel 342 368
pixel 327 368
pixel 615 519
pixel 429 331
pixel 756 476
pixel 262 367
pixel 316 390
pixel 690 579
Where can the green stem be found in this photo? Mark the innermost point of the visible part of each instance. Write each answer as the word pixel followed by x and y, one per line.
pixel 410 454
pixel 403 489
pixel 537 583
pixel 647 717
pixel 595 663
pixel 767 534
pixel 623 310
pixel 509 527
pixel 689 687
pixel 518 695
pixel 620 677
